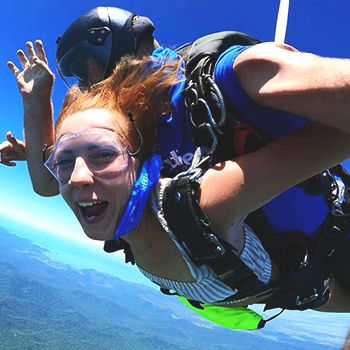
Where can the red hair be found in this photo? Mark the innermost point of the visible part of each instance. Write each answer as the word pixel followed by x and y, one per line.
pixel 139 86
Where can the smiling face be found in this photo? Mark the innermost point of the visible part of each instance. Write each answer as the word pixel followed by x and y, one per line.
pixel 97 197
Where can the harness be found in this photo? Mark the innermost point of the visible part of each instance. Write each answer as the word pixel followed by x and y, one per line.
pixel 193 232
pixel 305 277
pixel 303 263
pixel 212 119
pixel 211 116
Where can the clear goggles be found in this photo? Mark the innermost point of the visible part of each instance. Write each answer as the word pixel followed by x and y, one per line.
pixel 97 149
pixel 85 64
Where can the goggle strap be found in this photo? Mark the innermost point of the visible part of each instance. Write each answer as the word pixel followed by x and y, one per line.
pixel 46 147
pixel 138 134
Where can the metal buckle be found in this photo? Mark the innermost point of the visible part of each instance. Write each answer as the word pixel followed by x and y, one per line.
pixel 214 249
pixel 213 88
pixel 213 137
pixel 190 96
pixel 303 300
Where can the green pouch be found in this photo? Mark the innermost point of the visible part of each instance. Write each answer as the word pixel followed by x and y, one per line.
pixel 229 317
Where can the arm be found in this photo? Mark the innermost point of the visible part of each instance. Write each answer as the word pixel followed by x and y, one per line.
pixel 35 82
pixel 12 150
pixel 237 187
pixel 279 77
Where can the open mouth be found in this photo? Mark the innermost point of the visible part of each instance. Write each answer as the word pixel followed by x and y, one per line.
pixel 93 211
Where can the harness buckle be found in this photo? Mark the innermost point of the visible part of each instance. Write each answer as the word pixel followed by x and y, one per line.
pixel 192 173
pixel 304 300
pixel 210 248
pixel 201 114
pixel 190 95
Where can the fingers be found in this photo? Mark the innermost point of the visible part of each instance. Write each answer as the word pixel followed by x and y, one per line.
pixel 7 163
pixel 39 55
pixel 4 147
pixel 17 145
pixel 30 52
pixel 40 50
pixel 10 138
pixel 29 58
pixel 11 150
pixel 26 60
pixel 13 68
pixel 23 58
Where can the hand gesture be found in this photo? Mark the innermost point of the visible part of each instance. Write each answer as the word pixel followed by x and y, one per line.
pixel 35 80
pixel 12 150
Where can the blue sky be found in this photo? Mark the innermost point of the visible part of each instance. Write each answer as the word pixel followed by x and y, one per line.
pixel 318 26
pixel 314 25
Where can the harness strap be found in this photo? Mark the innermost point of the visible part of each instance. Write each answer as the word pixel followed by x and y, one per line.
pixel 309 286
pixel 211 120
pixel 192 229
pixel 114 245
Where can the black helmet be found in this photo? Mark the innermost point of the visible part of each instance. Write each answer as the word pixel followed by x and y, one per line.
pixel 104 34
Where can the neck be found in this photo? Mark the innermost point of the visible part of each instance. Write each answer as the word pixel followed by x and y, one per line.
pixel 155 252
pixel 140 237
pixel 148 242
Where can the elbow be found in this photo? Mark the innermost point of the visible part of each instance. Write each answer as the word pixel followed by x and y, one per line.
pixel 260 81
pixel 268 72
pixel 46 191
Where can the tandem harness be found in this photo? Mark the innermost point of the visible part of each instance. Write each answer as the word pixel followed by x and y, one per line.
pixel 211 116
pixel 304 283
pixel 212 129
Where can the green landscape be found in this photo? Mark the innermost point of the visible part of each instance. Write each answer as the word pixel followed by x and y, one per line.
pixel 49 305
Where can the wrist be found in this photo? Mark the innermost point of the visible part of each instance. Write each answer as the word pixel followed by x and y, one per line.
pixel 37 104
pixel 35 97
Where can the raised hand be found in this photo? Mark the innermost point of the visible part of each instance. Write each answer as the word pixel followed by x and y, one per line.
pixel 35 79
pixel 12 150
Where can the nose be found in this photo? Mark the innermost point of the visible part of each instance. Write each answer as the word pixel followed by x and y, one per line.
pixel 81 174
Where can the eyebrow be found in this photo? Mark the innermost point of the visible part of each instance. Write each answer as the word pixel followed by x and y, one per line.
pixel 90 147
pixel 66 151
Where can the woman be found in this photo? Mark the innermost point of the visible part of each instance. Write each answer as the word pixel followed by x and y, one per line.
pixel 108 172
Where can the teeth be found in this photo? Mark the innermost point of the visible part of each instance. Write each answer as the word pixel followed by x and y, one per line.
pixel 88 204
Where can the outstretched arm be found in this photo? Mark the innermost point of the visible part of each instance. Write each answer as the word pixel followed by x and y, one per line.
pixel 35 81
pixel 235 188
pixel 12 150
pixel 280 77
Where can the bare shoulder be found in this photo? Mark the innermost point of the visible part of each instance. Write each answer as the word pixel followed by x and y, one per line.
pixel 264 52
pixel 270 70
